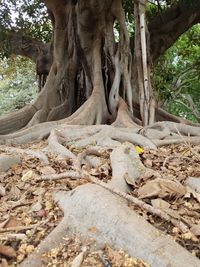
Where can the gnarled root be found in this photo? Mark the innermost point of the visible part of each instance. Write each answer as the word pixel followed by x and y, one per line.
pixel 15 121
pixel 36 154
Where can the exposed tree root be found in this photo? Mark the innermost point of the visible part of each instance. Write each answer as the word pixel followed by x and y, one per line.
pixel 54 239
pixel 34 133
pixel 126 168
pixel 189 140
pixel 124 118
pixel 137 237
pixel 17 120
pixel 36 154
pixel 54 144
pixel 39 117
pixel 161 133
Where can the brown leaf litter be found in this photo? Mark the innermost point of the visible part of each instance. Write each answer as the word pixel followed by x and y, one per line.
pixel 28 213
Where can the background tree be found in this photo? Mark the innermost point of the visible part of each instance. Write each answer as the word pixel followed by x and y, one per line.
pixel 178 81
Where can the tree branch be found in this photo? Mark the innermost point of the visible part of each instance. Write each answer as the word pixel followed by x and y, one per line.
pixel 166 27
pixel 24 45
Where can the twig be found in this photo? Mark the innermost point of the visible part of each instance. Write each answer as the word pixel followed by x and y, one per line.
pixel 19 228
pixel 12 237
pixel 70 174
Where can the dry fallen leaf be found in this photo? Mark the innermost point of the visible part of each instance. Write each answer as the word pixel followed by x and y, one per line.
pixel 2 191
pixel 48 205
pixel 195 229
pixel 192 192
pixel 164 206
pixel 161 188
pixel 15 192
pixel 12 222
pixel 77 261
pixel 2 224
pixel 115 256
pixel 4 263
pixel 36 207
pixel 7 251
pixel 47 170
pixel 27 176
pixel 129 180
pixel 160 204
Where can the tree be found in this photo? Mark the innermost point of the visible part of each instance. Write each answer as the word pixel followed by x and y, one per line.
pixel 18 84
pixel 177 85
pixel 95 80
pixel 94 69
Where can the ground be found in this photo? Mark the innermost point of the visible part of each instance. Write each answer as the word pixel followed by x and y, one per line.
pixel 29 213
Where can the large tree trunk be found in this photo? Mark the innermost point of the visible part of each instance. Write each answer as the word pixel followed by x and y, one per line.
pixel 90 72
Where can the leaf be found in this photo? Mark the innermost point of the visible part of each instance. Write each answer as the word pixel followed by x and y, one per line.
pixel 27 176
pixel 115 256
pixel 2 191
pixel 77 261
pixel 164 206
pixel 139 150
pixel 48 205
pixel 47 170
pixel 161 188
pixel 7 251
pixel 192 192
pixel 12 222
pixel 2 225
pixel 15 192
pixel 36 207
pixel 195 229
pixel 160 204
pixel 128 179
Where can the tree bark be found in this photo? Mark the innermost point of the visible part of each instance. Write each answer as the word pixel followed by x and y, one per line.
pixel 166 27
pixel 90 75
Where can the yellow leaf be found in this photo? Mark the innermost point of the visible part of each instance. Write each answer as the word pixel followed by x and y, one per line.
pixel 27 176
pixel 139 150
pixel 48 205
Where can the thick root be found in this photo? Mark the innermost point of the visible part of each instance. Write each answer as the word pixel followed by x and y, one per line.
pixel 123 117
pixel 116 134
pixel 126 167
pixel 34 133
pixel 17 120
pixel 54 144
pixel 35 154
pixel 39 117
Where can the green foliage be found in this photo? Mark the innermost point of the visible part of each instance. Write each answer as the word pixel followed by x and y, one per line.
pixel 28 17
pixel 18 84
pixel 176 75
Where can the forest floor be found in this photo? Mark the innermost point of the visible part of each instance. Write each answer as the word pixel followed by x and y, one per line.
pixel 28 213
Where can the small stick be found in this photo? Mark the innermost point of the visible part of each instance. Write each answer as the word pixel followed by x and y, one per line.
pixel 12 237
pixel 18 228
pixel 70 174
